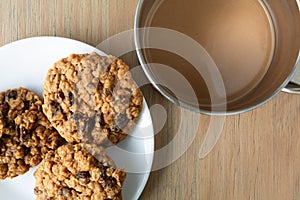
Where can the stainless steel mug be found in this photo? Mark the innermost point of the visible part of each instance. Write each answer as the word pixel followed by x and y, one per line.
pixel 286 59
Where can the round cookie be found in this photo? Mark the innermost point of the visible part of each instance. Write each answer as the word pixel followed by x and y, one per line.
pixel 25 132
pixel 91 99
pixel 72 172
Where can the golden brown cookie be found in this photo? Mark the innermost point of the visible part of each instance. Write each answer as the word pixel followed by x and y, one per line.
pixel 25 132
pixel 91 99
pixel 72 172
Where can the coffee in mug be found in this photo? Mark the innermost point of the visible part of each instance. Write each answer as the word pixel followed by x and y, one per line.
pixel 250 41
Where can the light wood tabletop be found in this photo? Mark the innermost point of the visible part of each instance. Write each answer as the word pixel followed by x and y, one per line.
pixel 258 154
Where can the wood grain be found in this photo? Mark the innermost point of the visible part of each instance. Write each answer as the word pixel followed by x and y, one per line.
pixel 257 156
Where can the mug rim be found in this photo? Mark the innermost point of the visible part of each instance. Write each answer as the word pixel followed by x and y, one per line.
pixel 162 91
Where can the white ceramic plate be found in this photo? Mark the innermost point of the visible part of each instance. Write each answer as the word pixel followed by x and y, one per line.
pixel 25 63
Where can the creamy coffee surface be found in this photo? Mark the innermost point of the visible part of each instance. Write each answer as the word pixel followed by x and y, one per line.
pixel 237 34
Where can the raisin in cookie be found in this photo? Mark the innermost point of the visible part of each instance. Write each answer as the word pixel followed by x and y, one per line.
pixel 25 132
pixel 72 172
pixel 91 99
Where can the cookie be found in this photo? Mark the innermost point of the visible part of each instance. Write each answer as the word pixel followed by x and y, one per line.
pixel 25 132
pixel 91 99
pixel 72 172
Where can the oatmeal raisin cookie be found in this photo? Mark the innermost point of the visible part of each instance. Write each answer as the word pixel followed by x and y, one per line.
pixel 25 132
pixel 91 99
pixel 72 172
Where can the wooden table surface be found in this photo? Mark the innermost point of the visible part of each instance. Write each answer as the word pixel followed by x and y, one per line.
pixel 258 153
